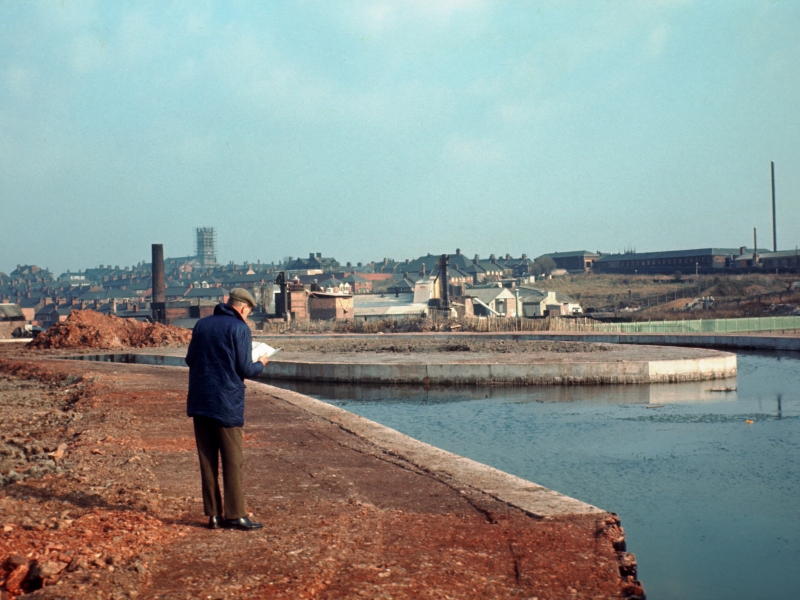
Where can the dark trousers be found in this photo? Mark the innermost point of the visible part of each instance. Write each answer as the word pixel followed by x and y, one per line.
pixel 215 441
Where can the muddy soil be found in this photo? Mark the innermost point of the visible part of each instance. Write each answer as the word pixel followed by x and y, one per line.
pixel 407 345
pixel 100 499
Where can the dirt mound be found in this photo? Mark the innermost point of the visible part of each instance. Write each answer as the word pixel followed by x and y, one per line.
pixel 90 329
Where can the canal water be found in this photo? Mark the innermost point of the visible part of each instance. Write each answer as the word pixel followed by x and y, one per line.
pixel 705 476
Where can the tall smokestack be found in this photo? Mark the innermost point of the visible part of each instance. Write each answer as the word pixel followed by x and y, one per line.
pixel 755 248
pixel 159 300
pixel 443 280
pixel 774 227
pixel 282 302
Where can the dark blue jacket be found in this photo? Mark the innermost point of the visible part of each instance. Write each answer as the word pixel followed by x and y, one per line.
pixel 219 359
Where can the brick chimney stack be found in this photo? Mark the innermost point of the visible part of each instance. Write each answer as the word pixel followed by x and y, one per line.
pixel 158 285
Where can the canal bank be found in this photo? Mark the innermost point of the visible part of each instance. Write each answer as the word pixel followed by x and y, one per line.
pixel 351 508
pixel 580 478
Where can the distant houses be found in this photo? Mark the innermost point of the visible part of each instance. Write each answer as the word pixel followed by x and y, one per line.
pixel 492 301
pixel 547 303
pixel 404 285
pixel 314 263
pixel 500 286
pixel 358 283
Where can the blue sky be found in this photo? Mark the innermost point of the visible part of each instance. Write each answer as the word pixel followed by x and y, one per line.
pixel 371 129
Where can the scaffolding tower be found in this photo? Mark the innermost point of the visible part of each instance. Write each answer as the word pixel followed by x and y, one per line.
pixel 205 249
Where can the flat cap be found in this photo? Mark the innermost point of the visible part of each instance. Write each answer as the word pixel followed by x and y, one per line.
pixel 242 295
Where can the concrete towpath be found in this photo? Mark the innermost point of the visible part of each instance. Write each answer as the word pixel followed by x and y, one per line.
pixel 351 509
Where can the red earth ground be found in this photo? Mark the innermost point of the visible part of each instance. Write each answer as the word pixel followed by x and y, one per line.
pixel 90 329
pixel 100 498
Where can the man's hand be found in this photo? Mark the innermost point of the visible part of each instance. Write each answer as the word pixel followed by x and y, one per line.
pixel 263 360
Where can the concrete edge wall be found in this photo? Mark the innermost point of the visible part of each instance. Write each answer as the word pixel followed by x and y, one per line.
pixel 588 373
pixel 704 368
pixel 164 360
pixel 531 498
pixel 521 374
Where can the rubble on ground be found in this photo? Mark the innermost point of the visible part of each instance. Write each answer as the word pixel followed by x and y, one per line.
pixel 782 310
pixel 77 506
pixel 90 329
pixel 343 517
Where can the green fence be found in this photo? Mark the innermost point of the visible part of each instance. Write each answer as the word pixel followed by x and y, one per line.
pixel 743 325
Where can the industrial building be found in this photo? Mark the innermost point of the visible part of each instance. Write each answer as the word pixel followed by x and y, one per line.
pixel 701 260
pixel 783 259
pixel 323 306
pixel 578 261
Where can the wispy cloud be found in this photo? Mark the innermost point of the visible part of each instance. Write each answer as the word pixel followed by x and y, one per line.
pixel 657 42
pixel 473 152
pixel 263 81
pixel 20 81
pixel 378 17
pixel 87 53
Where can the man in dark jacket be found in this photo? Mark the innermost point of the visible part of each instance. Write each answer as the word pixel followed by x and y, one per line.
pixel 219 359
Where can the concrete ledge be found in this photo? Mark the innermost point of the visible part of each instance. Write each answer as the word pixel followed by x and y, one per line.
pixel 708 340
pixel 413 370
pixel 166 360
pixel 531 498
pixel 518 374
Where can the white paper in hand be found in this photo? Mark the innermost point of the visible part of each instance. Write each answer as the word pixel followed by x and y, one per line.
pixel 261 349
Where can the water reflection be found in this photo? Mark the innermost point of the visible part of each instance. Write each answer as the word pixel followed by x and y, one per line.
pixel 724 390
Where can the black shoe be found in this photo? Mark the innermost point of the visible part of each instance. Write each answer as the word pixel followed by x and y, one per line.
pixel 215 522
pixel 244 524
